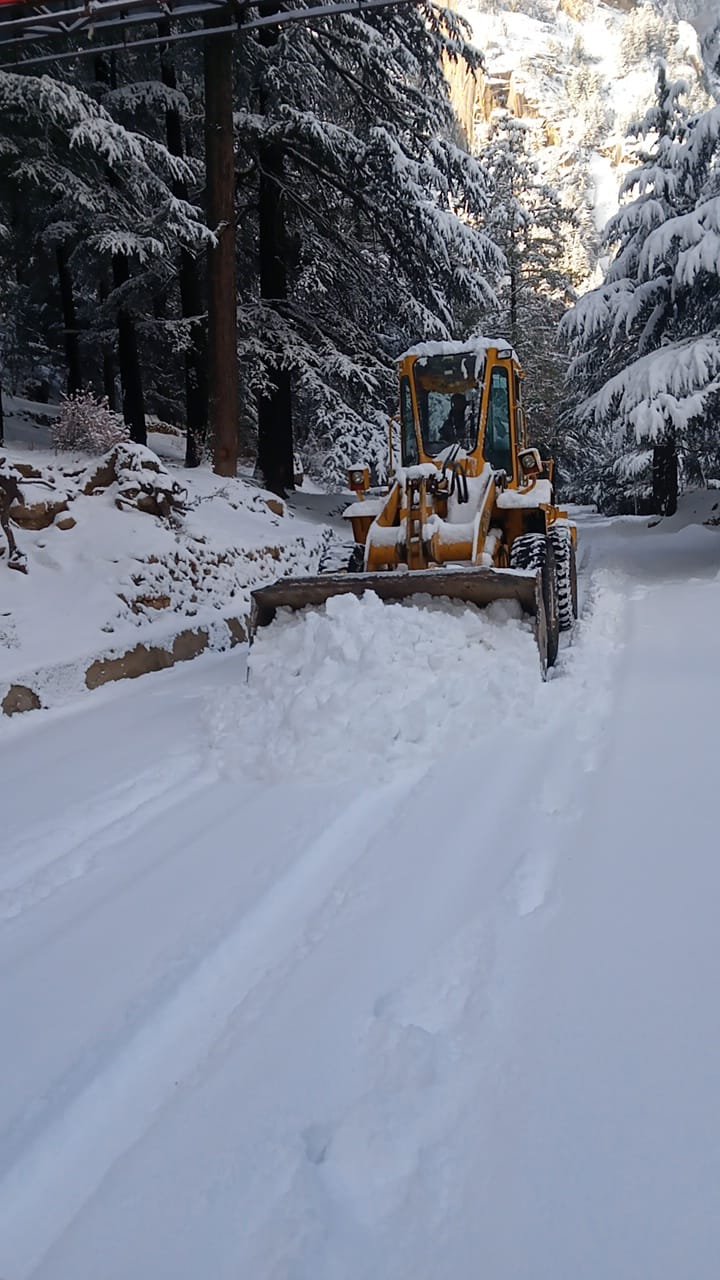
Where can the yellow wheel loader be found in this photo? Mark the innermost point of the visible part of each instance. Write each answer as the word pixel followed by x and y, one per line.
pixel 469 513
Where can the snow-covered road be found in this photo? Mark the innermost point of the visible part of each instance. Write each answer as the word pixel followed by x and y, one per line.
pixel 393 962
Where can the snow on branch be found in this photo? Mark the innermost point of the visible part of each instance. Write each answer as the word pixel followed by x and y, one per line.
pixel 149 94
pixel 693 237
pixel 664 390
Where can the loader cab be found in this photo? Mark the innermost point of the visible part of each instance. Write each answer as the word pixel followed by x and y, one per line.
pixel 461 399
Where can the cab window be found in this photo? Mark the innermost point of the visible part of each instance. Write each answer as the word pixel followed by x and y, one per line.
pixel 498 450
pixel 410 455
pixel 448 390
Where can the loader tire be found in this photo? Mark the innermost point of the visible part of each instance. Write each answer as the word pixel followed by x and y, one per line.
pixel 342 556
pixel 566 572
pixel 535 551
pixel 356 563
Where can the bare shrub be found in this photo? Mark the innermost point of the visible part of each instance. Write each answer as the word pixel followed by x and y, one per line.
pixel 87 425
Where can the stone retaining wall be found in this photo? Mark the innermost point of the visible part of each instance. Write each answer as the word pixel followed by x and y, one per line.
pixel 29 691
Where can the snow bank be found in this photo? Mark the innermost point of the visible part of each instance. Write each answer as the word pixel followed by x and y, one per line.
pixel 104 576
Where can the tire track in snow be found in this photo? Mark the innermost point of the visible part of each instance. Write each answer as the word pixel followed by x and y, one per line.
pixel 44 1191
pixel 388 1159
pixel 583 692
pixel 47 860
pixel 41 1194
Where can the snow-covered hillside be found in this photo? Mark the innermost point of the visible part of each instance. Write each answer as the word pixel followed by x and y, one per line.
pixel 107 574
pixel 580 74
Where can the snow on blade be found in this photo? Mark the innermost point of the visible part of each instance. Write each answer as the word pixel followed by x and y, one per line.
pixel 359 685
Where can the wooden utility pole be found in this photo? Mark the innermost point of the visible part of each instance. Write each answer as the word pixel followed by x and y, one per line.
pixel 222 285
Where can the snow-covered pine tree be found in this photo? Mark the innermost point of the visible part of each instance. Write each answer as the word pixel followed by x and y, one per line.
pixel 93 194
pixel 350 183
pixel 711 56
pixel 370 215
pixel 7 300
pixel 527 220
pixel 645 344
pixel 158 94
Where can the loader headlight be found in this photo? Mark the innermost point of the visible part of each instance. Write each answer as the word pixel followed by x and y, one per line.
pixel 359 478
pixel 530 462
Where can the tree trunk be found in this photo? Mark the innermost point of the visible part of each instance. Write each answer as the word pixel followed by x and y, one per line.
pixel 222 285
pixel 72 342
pixel 513 269
pixel 513 302
pixel 275 436
pixel 191 300
pixel 2 419
pixel 108 362
pixel 133 402
pixel 665 478
pixel 275 433
pixel 109 377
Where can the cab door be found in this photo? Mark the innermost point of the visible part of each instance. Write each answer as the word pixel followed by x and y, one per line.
pixel 499 442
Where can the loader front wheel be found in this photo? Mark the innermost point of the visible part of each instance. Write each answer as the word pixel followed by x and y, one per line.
pixel 356 563
pixel 535 551
pixel 565 563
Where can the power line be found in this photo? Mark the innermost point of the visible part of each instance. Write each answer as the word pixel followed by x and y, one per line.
pixel 132 13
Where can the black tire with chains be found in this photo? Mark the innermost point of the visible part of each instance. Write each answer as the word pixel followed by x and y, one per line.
pixel 356 563
pixel 535 551
pixel 561 538
pixel 342 556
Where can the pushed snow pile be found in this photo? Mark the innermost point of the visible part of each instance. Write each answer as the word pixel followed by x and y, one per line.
pixel 359 686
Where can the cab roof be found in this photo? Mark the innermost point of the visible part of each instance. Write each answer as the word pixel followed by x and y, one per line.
pixel 476 346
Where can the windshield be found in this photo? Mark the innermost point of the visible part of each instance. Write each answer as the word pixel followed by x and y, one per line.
pixel 497 435
pixel 448 397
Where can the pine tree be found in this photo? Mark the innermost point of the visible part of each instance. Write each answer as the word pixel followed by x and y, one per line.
pixel 359 227
pixel 364 234
pixel 102 205
pixel 527 220
pixel 646 344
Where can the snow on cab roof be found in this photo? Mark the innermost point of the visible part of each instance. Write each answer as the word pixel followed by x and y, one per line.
pixel 471 346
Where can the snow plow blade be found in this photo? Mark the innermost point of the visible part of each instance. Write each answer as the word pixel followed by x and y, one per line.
pixel 479 587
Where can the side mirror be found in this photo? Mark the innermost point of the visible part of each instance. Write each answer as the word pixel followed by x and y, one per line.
pixel 359 480
pixel 531 464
